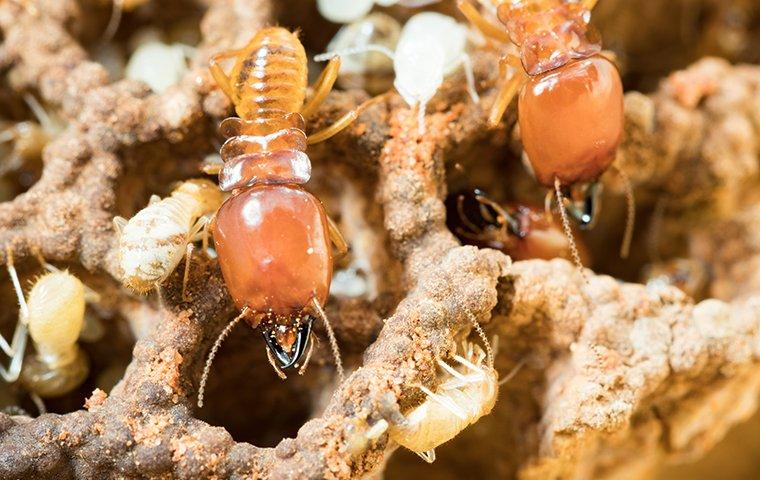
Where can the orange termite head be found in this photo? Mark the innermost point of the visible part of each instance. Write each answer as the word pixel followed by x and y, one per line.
pixel 287 338
pixel 549 33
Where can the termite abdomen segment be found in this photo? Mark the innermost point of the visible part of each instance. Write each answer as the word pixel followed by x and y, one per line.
pixel 246 137
pixel 287 338
pixel 278 167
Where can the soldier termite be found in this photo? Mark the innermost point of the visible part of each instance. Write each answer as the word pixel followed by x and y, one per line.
pixel 153 242
pixel 570 108
pixel 521 231
pixel 430 47
pixel 273 237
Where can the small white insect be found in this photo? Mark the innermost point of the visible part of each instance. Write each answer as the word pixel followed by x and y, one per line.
pixel 22 142
pixel 153 242
pixel 371 71
pixel 347 11
pixel 468 392
pixel 158 64
pixel 430 47
pixel 53 314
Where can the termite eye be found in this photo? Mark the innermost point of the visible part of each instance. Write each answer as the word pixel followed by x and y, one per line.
pixel 286 343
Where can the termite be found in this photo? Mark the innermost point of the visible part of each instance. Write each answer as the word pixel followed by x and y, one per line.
pixel 371 71
pixel 466 393
pixel 53 315
pixel 431 46
pixel 273 237
pixel 347 11
pixel 570 107
pixel 28 138
pixel 153 242
pixel 521 231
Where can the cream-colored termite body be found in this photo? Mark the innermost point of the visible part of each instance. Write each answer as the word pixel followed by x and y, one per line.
pixel 468 392
pixel 53 314
pixel 430 47
pixel 154 241
pixel 56 316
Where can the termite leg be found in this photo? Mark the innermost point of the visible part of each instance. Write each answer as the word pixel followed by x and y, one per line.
pixel 376 430
pixel 186 276
pixel 160 296
pixel 630 221
pixel 220 77
pixel 322 87
pixel 113 23
pixel 488 29
pixel 507 91
pixel 16 348
pixel 343 121
pixel 428 456
pixel 470 76
pixel 445 402
pixel 119 223
pixel 337 238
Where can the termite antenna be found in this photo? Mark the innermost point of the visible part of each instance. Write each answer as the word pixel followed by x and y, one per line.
pixel 630 220
pixel 186 275
pixel 482 335
pixel 331 338
pixel 421 108
pixel 16 285
pixel 212 354
pixel 322 57
pixel 37 400
pixel 566 226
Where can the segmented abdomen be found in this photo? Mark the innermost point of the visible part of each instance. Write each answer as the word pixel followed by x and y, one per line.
pixel 272 79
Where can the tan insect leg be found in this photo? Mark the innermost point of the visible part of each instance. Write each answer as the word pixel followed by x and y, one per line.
pixel 17 347
pixel 630 221
pixel 343 121
pixel 119 223
pixel 322 87
pixel 428 456
pixel 488 29
pixel 186 276
pixel 216 71
pixel 337 238
pixel 507 92
pixel 445 402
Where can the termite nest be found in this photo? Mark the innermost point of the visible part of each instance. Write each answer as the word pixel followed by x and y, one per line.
pixel 514 239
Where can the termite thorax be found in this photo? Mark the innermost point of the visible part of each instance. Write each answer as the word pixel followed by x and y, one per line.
pixel 256 153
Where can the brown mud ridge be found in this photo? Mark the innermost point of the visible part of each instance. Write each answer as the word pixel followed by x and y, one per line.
pixel 617 377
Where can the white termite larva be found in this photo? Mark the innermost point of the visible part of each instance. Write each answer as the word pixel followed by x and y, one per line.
pixel 371 71
pixel 56 306
pixel 431 46
pixel 347 11
pixel 467 393
pixel 153 242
